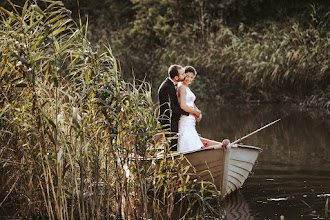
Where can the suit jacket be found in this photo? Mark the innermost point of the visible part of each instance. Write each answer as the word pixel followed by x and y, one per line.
pixel 168 100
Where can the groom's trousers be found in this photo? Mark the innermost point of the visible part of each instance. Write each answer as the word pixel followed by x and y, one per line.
pixel 174 134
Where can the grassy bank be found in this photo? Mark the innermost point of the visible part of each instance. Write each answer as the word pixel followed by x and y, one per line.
pixel 267 51
pixel 72 129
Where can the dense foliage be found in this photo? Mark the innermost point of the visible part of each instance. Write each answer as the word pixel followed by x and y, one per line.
pixel 243 50
pixel 75 136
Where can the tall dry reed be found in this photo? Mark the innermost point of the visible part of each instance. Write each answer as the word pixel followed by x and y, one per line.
pixel 77 141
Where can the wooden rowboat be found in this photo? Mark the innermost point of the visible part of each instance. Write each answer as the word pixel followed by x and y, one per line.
pixel 227 168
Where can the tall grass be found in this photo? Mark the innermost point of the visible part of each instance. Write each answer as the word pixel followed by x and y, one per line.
pixel 77 141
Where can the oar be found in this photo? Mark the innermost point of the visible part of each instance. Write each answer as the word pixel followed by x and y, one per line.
pixel 256 131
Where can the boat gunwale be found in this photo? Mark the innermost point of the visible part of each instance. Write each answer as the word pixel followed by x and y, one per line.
pixel 215 147
pixel 249 147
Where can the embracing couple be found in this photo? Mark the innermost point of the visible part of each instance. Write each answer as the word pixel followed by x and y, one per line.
pixel 178 112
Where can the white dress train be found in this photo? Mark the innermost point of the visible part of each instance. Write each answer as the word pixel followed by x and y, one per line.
pixel 188 138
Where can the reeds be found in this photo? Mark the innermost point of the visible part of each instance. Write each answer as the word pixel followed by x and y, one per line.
pixel 77 141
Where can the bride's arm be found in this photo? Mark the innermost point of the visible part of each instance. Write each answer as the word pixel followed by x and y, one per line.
pixel 199 118
pixel 182 101
pixel 196 107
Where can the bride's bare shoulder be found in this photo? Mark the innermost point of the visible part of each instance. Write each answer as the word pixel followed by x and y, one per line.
pixel 182 87
pixel 182 91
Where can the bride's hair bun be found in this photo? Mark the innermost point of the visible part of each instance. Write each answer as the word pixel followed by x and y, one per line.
pixel 190 69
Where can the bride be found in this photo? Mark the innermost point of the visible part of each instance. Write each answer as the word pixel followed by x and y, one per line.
pixel 188 137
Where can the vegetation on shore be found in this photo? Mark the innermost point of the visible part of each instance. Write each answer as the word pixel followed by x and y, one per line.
pixel 75 135
pixel 251 50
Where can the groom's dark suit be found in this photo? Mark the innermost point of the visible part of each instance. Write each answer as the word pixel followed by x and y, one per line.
pixel 168 100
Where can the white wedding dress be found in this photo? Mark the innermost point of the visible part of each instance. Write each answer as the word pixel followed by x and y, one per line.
pixel 188 137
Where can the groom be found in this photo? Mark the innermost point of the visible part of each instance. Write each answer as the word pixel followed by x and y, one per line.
pixel 170 110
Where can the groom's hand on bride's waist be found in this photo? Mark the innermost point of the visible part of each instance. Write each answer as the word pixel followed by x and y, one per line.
pixel 198 118
pixel 198 112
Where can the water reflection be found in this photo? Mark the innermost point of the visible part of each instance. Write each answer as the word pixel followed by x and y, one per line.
pixel 236 207
pixel 294 164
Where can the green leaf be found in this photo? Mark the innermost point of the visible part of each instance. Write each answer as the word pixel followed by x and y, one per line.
pixel 37 9
pixel 62 22
pixel 55 19
pixel 53 3
pixel 25 7
pixel 60 30
pixel 10 14
pixel 57 46
pixel 4 110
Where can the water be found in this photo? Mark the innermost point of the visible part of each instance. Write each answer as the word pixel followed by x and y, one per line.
pixel 292 175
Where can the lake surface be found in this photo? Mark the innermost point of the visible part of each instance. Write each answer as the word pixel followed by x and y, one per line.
pixel 292 174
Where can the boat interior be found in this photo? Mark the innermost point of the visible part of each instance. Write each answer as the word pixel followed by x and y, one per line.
pixel 209 143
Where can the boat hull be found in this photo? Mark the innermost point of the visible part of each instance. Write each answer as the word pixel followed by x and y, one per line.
pixel 227 168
